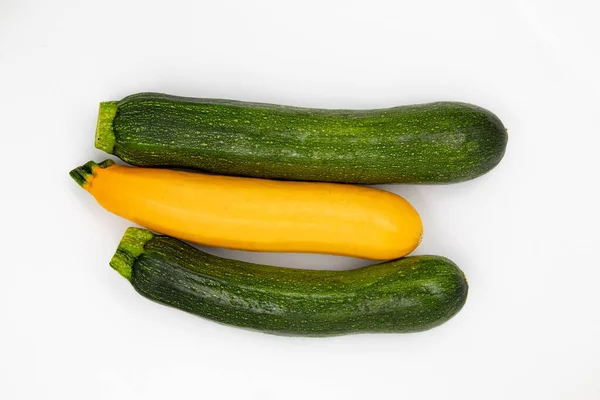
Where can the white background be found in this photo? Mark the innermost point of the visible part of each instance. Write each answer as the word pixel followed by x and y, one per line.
pixel 526 234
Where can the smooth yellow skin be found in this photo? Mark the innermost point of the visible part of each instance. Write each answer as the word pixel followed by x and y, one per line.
pixel 259 214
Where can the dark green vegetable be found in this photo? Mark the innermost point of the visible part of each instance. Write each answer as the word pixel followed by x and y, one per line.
pixel 429 143
pixel 405 295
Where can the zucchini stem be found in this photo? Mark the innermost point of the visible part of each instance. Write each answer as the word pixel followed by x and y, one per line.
pixel 83 174
pixel 105 135
pixel 131 246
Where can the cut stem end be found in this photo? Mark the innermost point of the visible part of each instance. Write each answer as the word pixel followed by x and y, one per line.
pixel 105 135
pixel 131 246
pixel 82 175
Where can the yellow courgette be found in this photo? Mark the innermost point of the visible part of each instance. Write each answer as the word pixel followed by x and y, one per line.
pixel 257 214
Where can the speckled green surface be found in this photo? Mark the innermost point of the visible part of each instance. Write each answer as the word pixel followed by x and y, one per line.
pixel 406 295
pixel 429 143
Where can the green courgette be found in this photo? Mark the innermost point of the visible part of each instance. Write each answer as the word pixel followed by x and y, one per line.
pixel 430 143
pixel 406 295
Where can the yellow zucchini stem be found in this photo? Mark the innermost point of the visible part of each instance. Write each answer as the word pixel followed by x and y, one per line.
pixel 82 174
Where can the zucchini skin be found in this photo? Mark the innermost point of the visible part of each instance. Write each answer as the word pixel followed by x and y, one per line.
pixel 405 295
pixel 257 214
pixel 442 142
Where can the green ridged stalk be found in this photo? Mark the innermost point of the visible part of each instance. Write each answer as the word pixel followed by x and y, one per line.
pixel 105 135
pixel 83 174
pixel 131 246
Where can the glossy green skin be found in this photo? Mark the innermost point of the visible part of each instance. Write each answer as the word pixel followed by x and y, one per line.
pixel 405 295
pixel 429 143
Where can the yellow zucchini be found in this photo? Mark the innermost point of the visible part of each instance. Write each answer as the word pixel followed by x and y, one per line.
pixel 257 214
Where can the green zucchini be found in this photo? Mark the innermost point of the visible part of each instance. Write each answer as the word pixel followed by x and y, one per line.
pixel 406 295
pixel 430 143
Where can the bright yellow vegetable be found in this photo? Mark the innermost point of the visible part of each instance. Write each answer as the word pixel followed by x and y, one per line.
pixel 257 214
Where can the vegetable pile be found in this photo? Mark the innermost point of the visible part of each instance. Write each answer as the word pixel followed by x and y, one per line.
pixel 271 178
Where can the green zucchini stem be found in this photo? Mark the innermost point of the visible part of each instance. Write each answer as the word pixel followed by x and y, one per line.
pixel 82 174
pixel 105 135
pixel 131 246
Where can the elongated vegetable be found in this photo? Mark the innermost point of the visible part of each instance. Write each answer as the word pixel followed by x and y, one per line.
pixel 429 143
pixel 257 214
pixel 406 295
